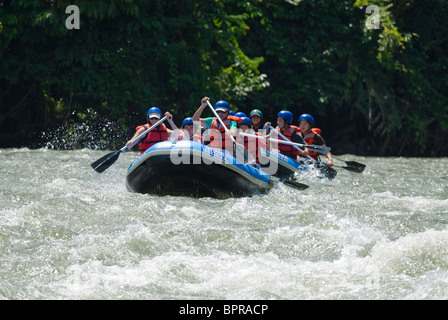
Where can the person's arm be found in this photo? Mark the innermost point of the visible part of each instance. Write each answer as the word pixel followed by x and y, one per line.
pixel 268 143
pixel 233 128
pixel 174 134
pixel 129 144
pixel 319 140
pixel 329 159
pixel 266 127
pixel 262 143
pixel 169 117
pixel 297 138
pixel 198 113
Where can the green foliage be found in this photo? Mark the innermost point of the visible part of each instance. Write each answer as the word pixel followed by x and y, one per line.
pixel 383 90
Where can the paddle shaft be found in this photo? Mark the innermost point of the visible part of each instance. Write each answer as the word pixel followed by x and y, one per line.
pixel 341 159
pixel 338 158
pixel 286 139
pixel 352 165
pixel 220 121
pixel 133 142
pixel 316 148
pixel 109 159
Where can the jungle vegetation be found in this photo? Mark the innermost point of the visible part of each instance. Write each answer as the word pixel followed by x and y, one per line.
pixel 374 89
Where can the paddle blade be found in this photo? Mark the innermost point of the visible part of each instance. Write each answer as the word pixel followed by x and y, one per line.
pixel 326 170
pixel 354 166
pixel 106 161
pixel 296 185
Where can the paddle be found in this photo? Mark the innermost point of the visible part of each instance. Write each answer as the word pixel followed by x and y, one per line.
pixel 241 152
pixel 295 184
pixel 353 166
pixel 109 159
pixel 291 183
pixel 329 172
pixel 316 148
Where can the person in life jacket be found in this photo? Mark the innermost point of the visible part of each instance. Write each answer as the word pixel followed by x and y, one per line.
pixel 256 116
pixel 253 145
pixel 217 134
pixel 186 132
pixel 311 135
pixel 284 119
pixel 158 134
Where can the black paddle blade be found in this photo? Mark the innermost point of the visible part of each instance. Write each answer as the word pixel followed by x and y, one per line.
pixel 354 166
pixel 326 170
pixel 106 161
pixel 296 185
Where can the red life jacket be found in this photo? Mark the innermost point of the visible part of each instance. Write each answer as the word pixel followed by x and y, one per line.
pixel 234 118
pixel 296 128
pixel 309 139
pixel 286 149
pixel 252 145
pixel 225 142
pixel 158 134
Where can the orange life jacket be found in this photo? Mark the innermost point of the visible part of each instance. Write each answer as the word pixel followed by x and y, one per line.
pixel 309 139
pixel 226 142
pixel 252 145
pixel 158 134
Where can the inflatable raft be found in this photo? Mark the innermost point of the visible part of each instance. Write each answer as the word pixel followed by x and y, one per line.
pixel 283 167
pixel 188 168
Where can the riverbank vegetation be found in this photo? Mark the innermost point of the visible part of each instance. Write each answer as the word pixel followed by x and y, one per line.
pixel 373 91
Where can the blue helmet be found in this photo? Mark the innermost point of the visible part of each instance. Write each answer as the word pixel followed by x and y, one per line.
pixel 222 105
pixel 240 114
pixel 286 115
pixel 188 120
pixel 307 117
pixel 154 112
pixel 231 113
pixel 245 120
pixel 256 112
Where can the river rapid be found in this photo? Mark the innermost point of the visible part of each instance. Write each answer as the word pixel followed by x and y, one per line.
pixel 68 232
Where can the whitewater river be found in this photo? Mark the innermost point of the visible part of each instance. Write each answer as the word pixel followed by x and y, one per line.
pixel 68 232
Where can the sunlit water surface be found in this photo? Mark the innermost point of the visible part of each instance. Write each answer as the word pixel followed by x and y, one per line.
pixel 67 232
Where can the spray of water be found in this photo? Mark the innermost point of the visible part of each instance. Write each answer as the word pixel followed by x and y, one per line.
pixel 89 130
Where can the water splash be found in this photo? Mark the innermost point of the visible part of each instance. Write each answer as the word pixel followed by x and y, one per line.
pixel 90 131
